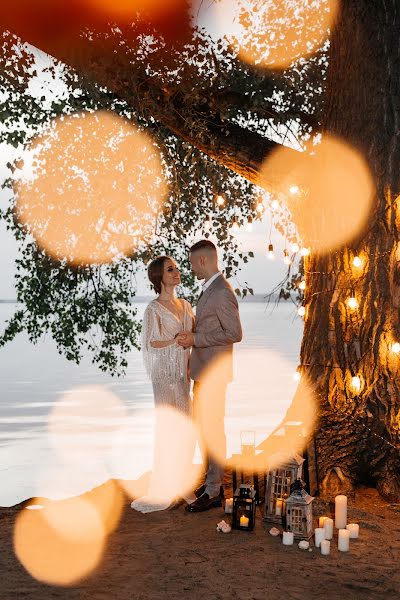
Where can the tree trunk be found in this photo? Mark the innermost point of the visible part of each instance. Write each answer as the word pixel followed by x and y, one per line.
pixel 357 440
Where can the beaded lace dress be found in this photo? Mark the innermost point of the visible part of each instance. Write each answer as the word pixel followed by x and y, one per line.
pixel 168 370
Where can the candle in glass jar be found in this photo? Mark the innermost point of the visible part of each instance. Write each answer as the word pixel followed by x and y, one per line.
pixel 343 540
pixel 328 528
pixel 354 530
pixel 278 508
pixel 287 538
pixel 340 512
pixel 244 521
pixel 319 536
pixel 325 547
pixel 229 506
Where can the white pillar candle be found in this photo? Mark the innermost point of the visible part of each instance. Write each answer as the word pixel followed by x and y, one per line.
pixel 319 536
pixel 328 528
pixel 343 540
pixel 278 508
pixel 288 538
pixel 322 521
pixel 229 505
pixel 325 547
pixel 340 512
pixel 354 530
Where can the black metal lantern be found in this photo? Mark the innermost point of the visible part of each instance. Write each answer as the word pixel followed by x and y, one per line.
pixel 244 508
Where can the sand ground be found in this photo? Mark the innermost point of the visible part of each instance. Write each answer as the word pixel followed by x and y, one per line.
pixel 177 555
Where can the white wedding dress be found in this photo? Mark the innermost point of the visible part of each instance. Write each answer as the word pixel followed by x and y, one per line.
pixel 168 370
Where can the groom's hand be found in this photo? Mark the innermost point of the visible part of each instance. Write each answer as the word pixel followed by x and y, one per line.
pixel 185 339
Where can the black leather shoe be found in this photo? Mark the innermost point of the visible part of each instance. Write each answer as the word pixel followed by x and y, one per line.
pixel 204 503
pixel 202 488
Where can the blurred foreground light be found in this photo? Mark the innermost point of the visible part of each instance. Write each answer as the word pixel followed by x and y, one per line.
pixel 98 186
pixel 272 34
pixel 172 452
pixel 61 545
pixel 352 303
pixel 294 189
pixel 337 191
pixel 251 411
pixel 81 417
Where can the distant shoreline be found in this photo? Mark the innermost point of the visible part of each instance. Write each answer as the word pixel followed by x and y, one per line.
pixel 142 299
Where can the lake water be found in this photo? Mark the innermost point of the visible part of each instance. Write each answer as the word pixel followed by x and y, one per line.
pixel 65 428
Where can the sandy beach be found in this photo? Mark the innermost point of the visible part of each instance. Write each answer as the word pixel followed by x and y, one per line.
pixel 174 554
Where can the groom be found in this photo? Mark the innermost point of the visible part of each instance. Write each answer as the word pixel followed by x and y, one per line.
pixel 217 327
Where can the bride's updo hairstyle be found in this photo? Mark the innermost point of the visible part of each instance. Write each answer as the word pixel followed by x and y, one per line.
pixel 155 272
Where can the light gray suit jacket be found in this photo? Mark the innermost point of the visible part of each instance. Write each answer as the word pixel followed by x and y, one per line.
pixel 216 328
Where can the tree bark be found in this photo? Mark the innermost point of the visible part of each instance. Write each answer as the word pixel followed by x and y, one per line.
pixel 357 439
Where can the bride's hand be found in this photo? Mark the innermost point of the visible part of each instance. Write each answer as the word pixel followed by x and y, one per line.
pixel 185 339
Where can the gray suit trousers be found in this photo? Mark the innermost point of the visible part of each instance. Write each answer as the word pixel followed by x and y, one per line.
pixel 209 420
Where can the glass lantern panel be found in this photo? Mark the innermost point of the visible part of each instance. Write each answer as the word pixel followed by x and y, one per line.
pixel 296 520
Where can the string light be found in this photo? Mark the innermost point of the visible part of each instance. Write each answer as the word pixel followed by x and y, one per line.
pixel 304 251
pixel 275 204
pixel 295 247
pixel 352 303
pixel 301 311
pixel 396 347
pixel 260 207
pixel 249 226
pixel 302 285
pixel 294 189
pixel 357 262
pixel 235 224
pixel 297 374
pixel 207 223
pixel 286 257
pixel 271 254
pixel 220 200
pixel 356 383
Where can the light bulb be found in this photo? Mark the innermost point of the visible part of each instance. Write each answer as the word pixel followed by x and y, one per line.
pixel 249 226
pixel 260 207
pixel 235 224
pixel 286 257
pixel 357 262
pixel 295 247
pixel 356 383
pixel 302 285
pixel 271 255
pixel 304 251
pixel 301 311
pixel 220 200
pixel 352 303
pixel 297 375
pixel 275 204
pixel 396 347
pixel 294 189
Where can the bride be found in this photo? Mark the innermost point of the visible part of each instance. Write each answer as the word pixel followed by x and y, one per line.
pixel 165 361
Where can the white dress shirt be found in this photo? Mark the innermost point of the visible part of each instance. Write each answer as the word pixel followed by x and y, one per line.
pixel 207 283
